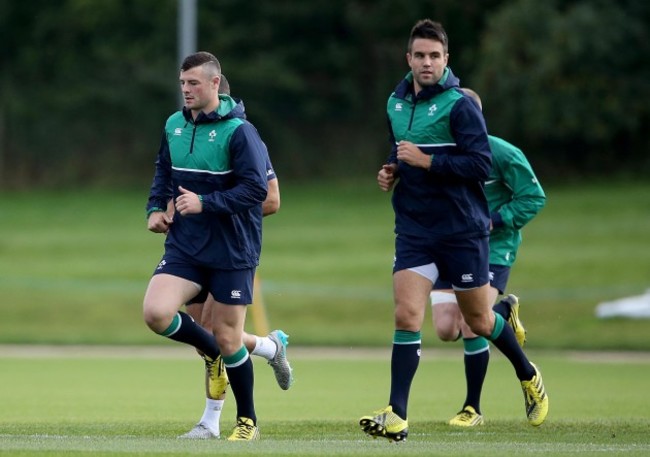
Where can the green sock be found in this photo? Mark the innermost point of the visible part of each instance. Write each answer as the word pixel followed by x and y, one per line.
pixel 499 322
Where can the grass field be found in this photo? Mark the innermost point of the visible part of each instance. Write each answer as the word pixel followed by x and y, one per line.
pixel 74 266
pixel 135 401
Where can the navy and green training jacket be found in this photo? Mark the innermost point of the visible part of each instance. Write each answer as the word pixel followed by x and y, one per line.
pixel 221 157
pixel 447 201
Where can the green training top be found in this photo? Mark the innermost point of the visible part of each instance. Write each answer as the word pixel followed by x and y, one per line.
pixel 514 196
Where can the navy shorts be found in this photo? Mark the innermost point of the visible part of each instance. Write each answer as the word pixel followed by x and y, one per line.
pixel 232 287
pixel 463 263
pixel 199 299
pixel 499 275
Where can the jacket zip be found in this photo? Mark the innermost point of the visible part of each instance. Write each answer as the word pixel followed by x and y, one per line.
pixel 412 115
pixel 193 135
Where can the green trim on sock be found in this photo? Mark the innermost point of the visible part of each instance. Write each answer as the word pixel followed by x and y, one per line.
pixel 236 358
pixel 475 345
pixel 499 323
pixel 173 327
pixel 406 337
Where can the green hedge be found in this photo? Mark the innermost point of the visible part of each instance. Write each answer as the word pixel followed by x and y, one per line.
pixel 74 266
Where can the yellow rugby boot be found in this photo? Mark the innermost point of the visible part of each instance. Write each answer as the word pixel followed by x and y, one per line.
pixel 536 398
pixel 386 424
pixel 245 430
pixel 468 417
pixel 215 377
pixel 514 321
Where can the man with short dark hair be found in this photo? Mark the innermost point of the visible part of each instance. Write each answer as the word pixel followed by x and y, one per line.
pixel 440 158
pixel 213 162
pixel 272 347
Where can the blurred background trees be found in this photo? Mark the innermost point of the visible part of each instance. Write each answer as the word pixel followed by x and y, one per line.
pixel 86 85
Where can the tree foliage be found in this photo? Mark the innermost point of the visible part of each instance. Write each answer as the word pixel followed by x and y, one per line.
pixel 86 85
pixel 570 80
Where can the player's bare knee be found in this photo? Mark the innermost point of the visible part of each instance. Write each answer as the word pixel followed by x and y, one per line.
pixel 156 319
pixel 479 324
pixel 408 322
pixel 447 334
pixel 446 315
pixel 447 327
pixel 228 338
pixel 408 318
pixel 228 344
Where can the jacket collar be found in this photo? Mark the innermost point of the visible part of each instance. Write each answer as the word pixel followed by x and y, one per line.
pixel 404 89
